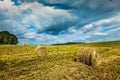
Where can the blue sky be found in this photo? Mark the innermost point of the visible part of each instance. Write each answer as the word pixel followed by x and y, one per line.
pixel 59 21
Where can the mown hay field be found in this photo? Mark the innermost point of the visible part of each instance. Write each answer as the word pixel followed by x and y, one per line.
pixel 18 62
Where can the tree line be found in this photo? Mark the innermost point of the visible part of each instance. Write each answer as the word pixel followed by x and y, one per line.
pixel 7 38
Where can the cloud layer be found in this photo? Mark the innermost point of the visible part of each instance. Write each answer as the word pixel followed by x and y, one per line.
pixel 54 21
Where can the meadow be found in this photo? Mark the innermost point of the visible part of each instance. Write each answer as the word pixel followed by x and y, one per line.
pixel 18 62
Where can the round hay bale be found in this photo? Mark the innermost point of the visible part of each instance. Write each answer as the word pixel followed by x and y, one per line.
pixel 25 44
pixel 40 50
pixel 87 56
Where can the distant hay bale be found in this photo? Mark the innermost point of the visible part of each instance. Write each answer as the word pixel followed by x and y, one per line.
pixel 40 50
pixel 87 56
pixel 25 44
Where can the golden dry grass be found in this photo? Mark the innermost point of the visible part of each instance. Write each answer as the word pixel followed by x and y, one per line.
pixel 17 63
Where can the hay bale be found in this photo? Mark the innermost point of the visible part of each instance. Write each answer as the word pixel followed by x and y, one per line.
pixel 25 44
pixel 40 50
pixel 87 56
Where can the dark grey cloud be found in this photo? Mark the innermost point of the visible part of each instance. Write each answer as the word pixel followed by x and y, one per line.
pixel 78 4
pixel 58 27
pixel 87 10
pixel 16 2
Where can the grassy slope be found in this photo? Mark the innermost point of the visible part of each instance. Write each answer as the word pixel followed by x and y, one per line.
pixel 20 62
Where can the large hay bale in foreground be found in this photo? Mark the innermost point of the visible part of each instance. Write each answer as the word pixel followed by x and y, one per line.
pixel 87 56
pixel 40 50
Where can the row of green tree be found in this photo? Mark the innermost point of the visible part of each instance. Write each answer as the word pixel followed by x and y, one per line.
pixel 7 38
